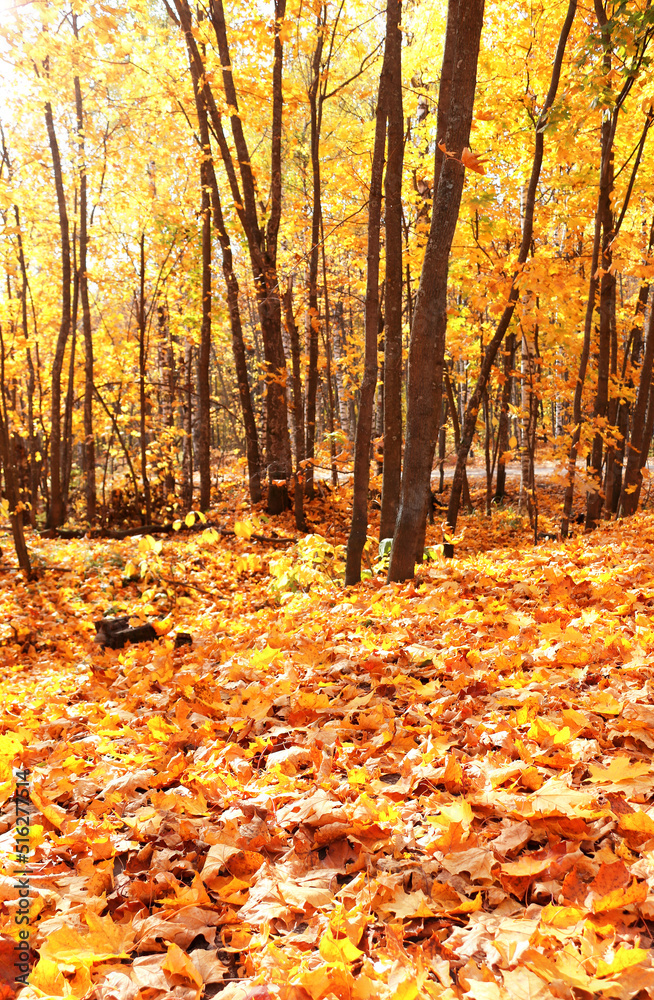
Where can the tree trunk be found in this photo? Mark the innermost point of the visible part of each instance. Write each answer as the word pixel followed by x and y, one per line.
pixel 238 351
pixel 57 511
pixel 503 429
pixel 427 348
pixel 456 427
pixel 204 354
pixel 261 244
pixel 187 450
pixel 11 485
pixel 472 408
pixel 359 523
pixel 605 235
pixel 393 324
pixel 89 441
pixel 298 409
pixel 331 406
pixel 203 104
pixel 315 110
pixel 594 498
pixel 639 440
pixel 631 359
pixel 339 354
pixel 146 513
pixel 528 421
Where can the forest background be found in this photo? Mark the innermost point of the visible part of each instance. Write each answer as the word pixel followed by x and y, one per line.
pixel 199 261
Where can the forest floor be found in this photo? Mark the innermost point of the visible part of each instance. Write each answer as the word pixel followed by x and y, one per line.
pixel 440 789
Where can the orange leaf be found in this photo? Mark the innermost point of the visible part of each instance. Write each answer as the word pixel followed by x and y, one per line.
pixel 179 964
pixel 472 161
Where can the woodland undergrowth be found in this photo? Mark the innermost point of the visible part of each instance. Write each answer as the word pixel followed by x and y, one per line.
pixel 441 789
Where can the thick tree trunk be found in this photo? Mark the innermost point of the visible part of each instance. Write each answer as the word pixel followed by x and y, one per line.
pixel 393 319
pixel 427 349
pixel 57 511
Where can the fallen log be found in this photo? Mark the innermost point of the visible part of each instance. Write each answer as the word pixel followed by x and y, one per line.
pixel 115 633
pixel 156 529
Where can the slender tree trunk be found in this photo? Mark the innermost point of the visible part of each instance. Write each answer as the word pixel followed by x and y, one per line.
pixel 594 498
pixel 57 511
pixel 262 242
pixel 187 451
pixel 142 330
pixel 31 379
pixel 262 245
pixel 605 234
pixel 315 111
pixel 339 353
pixel 612 411
pixel 503 429
pixel 581 378
pixel 456 427
pixel 528 421
pixel 69 402
pixel 89 441
pixel 472 408
pixel 331 405
pixel 393 325
pixel 204 354
pixel 442 446
pixel 427 349
pixel 298 409
pixel 238 352
pixel 11 484
pixel 633 478
pixel 631 360
pixel 203 104
pixel 359 524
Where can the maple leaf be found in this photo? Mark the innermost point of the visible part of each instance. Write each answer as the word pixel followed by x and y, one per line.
pixel 472 161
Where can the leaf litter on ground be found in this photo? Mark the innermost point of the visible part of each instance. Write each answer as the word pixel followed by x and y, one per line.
pixel 440 789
